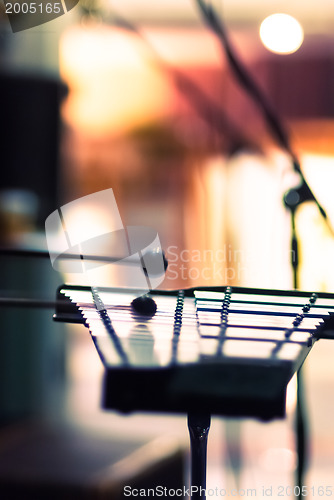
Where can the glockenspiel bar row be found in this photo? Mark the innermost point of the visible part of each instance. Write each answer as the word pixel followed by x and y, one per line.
pixel 149 352
pixel 218 326
pixel 209 309
pixel 258 320
pixel 254 307
pixel 269 299
pixel 164 321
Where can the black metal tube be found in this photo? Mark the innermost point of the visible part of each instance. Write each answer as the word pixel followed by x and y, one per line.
pixel 44 254
pixel 198 426
pixel 302 441
pixel 29 302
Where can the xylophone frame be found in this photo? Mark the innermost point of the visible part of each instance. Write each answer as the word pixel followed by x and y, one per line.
pixel 260 403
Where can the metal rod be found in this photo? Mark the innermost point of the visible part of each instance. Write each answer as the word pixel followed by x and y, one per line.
pixel 22 252
pixel 29 303
pixel 199 426
pixel 301 434
pixel 39 303
pixel 302 442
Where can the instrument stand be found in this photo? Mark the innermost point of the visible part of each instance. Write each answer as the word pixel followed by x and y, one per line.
pixel 198 426
pixel 301 412
pixel 292 200
pixel 301 433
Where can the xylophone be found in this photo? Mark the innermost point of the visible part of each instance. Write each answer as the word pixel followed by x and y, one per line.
pixel 224 351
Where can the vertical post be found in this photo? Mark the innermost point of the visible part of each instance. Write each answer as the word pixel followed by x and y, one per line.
pixel 294 251
pixel 301 431
pixel 198 426
pixel 292 199
pixel 300 419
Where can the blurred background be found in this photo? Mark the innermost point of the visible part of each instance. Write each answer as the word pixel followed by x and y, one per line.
pixel 140 97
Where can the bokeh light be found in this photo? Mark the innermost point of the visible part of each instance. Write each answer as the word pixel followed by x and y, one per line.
pixel 281 33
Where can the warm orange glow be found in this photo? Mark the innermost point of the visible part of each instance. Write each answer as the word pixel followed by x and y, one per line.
pixel 185 47
pixel 316 240
pixel 113 85
pixel 291 395
pixel 257 222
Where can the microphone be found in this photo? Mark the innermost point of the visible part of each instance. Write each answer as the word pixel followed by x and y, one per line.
pixel 298 195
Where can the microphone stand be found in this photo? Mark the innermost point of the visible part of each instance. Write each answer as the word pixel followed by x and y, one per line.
pixel 292 200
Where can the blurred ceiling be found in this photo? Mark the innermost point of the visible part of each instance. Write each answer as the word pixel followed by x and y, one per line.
pixel 315 16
